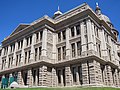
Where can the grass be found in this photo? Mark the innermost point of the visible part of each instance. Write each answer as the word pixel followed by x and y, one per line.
pixel 72 88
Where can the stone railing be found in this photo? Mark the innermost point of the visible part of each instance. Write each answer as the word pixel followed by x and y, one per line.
pixel 72 12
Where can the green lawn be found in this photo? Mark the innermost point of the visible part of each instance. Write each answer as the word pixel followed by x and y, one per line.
pixel 72 88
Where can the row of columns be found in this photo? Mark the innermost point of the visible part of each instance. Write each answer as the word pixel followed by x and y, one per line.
pixel 43 52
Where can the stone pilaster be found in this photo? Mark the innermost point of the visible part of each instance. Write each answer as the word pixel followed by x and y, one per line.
pixel 7 58
pixel 43 76
pixel 54 48
pixel 104 54
pixel 116 78
pixel 54 77
pixel 109 76
pixel 94 38
pixel 119 78
pixel 85 73
pixel 32 49
pixel 23 52
pixel 29 78
pixel 3 50
pixel 14 56
pixel 98 73
pixel 20 78
pixel 67 44
pixel 90 37
pixel 68 76
pixel 112 54
pixel 83 41
pixel 44 45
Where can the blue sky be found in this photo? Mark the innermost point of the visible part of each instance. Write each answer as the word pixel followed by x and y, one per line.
pixel 14 12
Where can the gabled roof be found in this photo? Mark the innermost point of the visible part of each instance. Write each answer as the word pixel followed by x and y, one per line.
pixel 19 27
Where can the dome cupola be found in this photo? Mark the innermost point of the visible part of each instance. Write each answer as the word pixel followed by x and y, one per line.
pixel 57 13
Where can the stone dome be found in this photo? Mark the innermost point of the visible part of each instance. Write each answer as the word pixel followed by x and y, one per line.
pixel 58 13
pixel 105 18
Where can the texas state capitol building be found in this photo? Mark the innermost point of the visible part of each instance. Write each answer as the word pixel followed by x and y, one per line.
pixel 77 48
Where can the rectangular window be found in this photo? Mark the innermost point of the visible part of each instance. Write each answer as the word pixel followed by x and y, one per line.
pixel 19 59
pixel 27 41
pixel 39 52
pixel 78 29
pixel 109 53
pixel 59 54
pixel 21 43
pixel 86 41
pixel 18 45
pixel 16 60
pixel 37 37
pixel 98 49
pixel 2 64
pixel 97 32
pixel 74 74
pixel 85 27
pixel 79 48
pixel 64 35
pixel 80 74
pixel 59 76
pixel 11 48
pixel 72 32
pixel 64 52
pixel 73 49
pixel 59 36
pixel 9 63
pixel 25 57
pixel 35 54
pixel 30 40
pixel 29 56
pixel 41 33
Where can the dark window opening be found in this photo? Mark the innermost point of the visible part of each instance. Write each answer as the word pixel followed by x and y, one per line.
pixel 72 32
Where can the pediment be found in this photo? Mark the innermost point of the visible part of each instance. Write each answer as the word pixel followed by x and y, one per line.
pixel 19 28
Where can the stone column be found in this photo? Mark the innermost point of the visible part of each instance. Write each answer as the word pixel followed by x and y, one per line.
pixel 68 76
pixel 67 44
pixel 54 77
pixel 43 76
pixel 7 58
pixel 104 54
pixel 77 76
pixel 94 38
pixel 62 84
pixel 116 55
pixel 90 37
pixel 14 56
pixel 20 78
pixel 98 73
pixel 116 78
pixel 2 53
pixel 75 30
pixel 32 49
pixel 54 48
pixel 83 42
pixel 119 78
pixel 112 54
pixel 109 76
pixel 29 78
pixel 92 72
pixel 23 52
pixel 85 73
pixel 44 45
